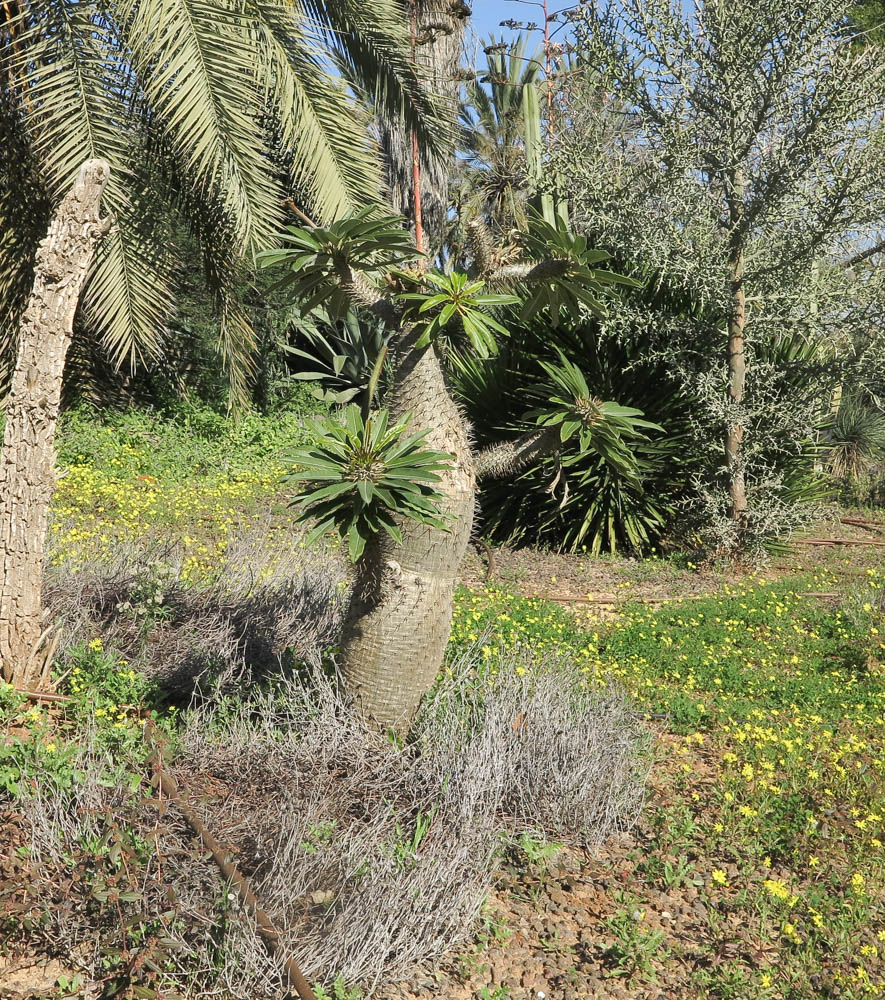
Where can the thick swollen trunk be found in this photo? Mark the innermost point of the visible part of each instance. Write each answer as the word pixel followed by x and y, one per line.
pixel 398 621
pixel 27 461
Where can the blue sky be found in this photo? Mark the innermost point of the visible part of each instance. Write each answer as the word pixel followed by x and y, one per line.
pixel 488 13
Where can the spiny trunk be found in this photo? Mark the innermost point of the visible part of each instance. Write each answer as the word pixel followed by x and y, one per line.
pixel 737 364
pixel 397 625
pixel 439 33
pixel 27 477
pixel 506 458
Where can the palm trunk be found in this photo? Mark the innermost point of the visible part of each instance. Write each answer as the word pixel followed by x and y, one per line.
pixel 397 625
pixel 439 27
pixel 737 364
pixel 27 477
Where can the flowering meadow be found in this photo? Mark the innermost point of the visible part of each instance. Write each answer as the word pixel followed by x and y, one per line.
pixel 190 485
pixel 768 795
pixel 757 868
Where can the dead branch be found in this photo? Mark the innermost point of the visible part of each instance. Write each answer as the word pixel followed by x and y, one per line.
pixel 168 786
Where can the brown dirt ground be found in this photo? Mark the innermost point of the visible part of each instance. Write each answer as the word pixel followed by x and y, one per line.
pixel 545 933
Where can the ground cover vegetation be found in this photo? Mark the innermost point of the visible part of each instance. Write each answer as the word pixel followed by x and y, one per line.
pixel 639 312
pixel 756 867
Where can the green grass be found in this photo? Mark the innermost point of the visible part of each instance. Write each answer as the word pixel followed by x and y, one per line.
pixel 772 765
pixel 192 482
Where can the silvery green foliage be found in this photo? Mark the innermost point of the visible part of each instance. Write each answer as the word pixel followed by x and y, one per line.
pixel 750 125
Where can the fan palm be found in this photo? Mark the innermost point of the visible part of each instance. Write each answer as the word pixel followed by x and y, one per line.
pixel 214 111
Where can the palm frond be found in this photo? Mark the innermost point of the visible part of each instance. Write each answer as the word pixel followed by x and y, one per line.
pixel 128 298
pixel 75 105
pixel 325 144
pixel 370 38
pixel 195 62
pixel 24 211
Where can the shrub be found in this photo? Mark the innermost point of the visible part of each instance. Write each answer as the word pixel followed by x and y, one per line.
pixel 855 449
pixel 370 855
pixel 268 599
pixel 578 501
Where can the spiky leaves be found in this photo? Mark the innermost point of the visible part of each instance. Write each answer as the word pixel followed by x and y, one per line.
pixel 452 300
pixel 341 265
pixel 341 358
pixel 604 428
pixel 563 280
pixel 364 475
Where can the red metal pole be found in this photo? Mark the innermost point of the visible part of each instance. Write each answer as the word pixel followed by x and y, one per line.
pixel 548 74
pixel 416 163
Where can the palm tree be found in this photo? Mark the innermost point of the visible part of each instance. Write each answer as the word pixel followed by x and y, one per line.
pixel 219 112
pixel 214 111
pixel 494 180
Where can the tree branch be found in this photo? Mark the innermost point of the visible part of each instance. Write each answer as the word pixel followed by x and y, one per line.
pixel 509 457
pixel 531 270
pixel 865 254
pixel 364 295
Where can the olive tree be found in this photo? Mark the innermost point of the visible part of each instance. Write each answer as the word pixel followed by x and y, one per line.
pixel 738 150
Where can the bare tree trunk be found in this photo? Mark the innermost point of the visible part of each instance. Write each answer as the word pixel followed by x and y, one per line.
pixel 439 33
pixel 397 625
pixel 27 476
pixel 737 365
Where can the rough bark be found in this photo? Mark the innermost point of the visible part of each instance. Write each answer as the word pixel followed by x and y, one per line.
pixel 27 461
pixel 439 33
pixel 737 364
pixel 397 624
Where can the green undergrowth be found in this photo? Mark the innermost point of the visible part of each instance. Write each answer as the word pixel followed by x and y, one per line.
pixel 705 662
pixel 192 482
pixel 192 444
pixel 770 782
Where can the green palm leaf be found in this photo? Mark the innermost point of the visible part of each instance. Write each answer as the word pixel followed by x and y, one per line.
pixel 196 66
pixel 72 70
pixel 217 111
pixel 327 154
pixel 370 40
